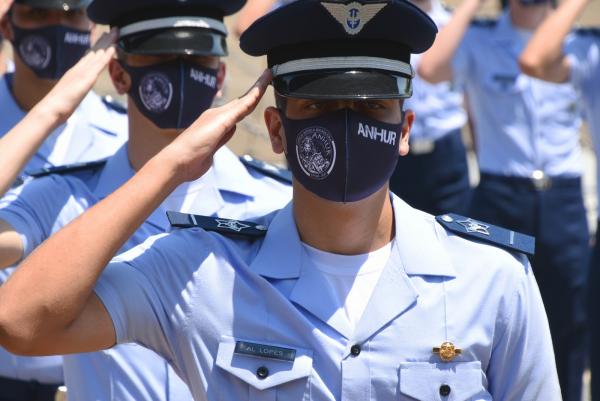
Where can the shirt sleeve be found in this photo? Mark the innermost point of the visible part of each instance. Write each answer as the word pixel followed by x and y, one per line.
pixel 583 56
pixel 522 366
pixel 136 291
pixel 40 207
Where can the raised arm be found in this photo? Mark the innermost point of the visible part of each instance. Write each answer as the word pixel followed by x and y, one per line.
pixel 436 63
pixel 543 57
pixel 60 313
pixel 21 143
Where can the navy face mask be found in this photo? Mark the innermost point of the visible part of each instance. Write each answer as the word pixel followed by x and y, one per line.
pixel 342 156
pixel 50 51
pixel 172 94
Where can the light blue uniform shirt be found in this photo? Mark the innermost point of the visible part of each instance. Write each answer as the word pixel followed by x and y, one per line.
pixel 192 296
pixel 439 107
pixel 43 206
pixel 522 124
pixel 93 132
pixel 585 76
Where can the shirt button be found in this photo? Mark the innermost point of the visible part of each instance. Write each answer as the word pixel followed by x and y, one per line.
pixel 355 350
pixel 445 390
pixel 262 372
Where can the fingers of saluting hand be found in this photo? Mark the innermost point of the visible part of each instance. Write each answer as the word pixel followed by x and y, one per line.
pixel 4 7
pixel 97 58
pixel 236 110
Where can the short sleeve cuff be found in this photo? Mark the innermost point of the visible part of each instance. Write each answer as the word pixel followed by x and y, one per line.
pixel 108 292
pixel 23 228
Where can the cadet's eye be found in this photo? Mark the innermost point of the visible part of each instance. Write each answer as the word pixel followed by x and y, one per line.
pixel 375 106
pixel 314 106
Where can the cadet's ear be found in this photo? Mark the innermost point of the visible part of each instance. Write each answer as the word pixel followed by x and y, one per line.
pixel 120 77
pixel 409 119
pixel 275 128
pixel 221 73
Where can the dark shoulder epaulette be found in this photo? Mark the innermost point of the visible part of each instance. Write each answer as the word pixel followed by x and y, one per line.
pixel 267 169
pixel 484 22
pixel 588 31
pixel 70 168
pixel 501 237
pixel 114 104
pixel 217 224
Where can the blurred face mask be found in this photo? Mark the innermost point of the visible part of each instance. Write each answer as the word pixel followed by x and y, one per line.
pixel 343 156
pixel 172 94
pixel 50 51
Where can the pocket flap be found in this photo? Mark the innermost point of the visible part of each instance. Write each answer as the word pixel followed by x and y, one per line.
pixel 246 366
pixel 424 381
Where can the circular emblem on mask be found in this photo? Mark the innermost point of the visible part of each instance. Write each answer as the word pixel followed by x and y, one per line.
pixel 35 51
pixel 316 152
pixel 156 92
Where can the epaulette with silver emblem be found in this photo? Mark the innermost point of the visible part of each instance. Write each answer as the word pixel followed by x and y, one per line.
pixel 473 229
pixel 217 224
pixel 267 169
pixel 114 104
pixel 70 168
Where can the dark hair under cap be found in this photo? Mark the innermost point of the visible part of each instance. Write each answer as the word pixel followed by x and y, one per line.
pixel 56 4
pixel 341 48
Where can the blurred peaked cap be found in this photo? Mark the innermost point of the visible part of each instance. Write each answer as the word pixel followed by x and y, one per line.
pixel 341 49
pixel 155 27
pixel 65 5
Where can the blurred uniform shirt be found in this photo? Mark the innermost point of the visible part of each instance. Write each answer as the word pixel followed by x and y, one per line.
pixel 522 124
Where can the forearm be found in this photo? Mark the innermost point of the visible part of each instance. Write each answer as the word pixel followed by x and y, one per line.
pixel 59 276
pixel 543 57
pixel 21 143
pixel 436 64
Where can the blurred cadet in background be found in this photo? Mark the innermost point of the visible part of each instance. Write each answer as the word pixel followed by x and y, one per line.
pixel 546 57
pixel 49 37
pixel 527 136
pixel 434 176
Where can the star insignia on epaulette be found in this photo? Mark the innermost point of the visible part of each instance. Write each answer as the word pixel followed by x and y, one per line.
pixel 473 226
pixel 353 16
pixel 232 225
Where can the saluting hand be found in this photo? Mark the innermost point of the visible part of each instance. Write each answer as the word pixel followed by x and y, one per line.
pixel 191 153
pixel 4 7
pixel 72 88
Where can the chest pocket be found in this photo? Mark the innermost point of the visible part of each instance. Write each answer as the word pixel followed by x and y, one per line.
pixel 505 83
pixel 458 381
pixel 282 376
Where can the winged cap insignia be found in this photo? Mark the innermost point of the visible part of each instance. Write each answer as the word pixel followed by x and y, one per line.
pixel 353 16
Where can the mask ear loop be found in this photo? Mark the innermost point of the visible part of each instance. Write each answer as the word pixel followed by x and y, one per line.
pixel 346 151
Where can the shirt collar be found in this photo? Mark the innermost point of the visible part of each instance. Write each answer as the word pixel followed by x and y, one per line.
pixel 417 246
pixel 231 175
pixel 115 173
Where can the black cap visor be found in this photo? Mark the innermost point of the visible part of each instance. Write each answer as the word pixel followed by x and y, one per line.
pixel 184 41
pixel 65 5
pixel 344 84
